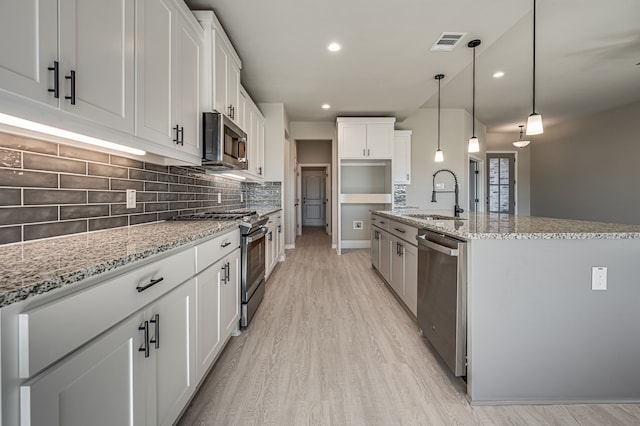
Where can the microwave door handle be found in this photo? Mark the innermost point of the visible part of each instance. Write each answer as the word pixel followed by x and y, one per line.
pixel 244 142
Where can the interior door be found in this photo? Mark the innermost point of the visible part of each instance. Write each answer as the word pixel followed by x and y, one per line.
pixel 313 201
pixel 501 183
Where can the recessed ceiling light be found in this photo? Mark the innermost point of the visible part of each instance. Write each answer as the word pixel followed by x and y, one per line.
pixel 326 106
pixel 334 47
pixel 498 74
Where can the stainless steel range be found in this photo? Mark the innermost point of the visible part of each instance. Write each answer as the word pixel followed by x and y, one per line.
pixel 252 256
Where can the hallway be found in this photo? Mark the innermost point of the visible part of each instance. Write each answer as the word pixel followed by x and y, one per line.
pixel 330 345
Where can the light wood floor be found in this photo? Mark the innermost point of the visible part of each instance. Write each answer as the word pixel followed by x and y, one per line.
pixel 330 345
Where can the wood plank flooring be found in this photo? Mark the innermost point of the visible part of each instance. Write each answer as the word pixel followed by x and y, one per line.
pixel 330 345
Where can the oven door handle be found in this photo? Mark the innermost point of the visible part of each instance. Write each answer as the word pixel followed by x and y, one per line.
pixel 437 247
pixel 257 236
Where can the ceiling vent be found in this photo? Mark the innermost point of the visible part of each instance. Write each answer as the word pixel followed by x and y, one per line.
pixel 447 42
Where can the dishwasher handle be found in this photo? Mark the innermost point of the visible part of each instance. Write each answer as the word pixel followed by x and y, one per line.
pixel 437 247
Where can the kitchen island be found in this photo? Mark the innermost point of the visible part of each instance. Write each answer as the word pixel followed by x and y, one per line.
pixel 536 331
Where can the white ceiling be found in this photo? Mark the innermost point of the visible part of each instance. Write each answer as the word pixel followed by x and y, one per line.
pixel 587 56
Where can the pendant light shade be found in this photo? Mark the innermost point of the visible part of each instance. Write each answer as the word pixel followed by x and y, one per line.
pixel 521 143
pixel 439 157
pixel 534 123
pixel 474 144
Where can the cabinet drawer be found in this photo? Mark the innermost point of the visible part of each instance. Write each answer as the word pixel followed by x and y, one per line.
pixel 211 251
pixel 405 232
pixel 49 332
pixel 380 222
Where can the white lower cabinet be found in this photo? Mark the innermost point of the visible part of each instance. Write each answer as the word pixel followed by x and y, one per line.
pixel 395 256
pixel 141 371
pixel 103 384
pixel 274 242
pixel 218 310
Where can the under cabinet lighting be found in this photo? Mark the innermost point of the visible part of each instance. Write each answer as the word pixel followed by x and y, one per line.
pixel 54 131
pixel 234 176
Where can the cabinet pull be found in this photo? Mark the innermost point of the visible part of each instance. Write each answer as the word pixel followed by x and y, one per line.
pixel 223 278
pixel 145 345
pixel 399 249
pixel 368 152
pixel 382 222
pixel 179 140
pixel 156 337
pixel 407 176
pixel 260 171
pixel 72 77
pixel 182 135
pixel 364 152
pixel 400 230
pixel 228 273
pixel 270 236
pixel 375 235
pixel 226 244
pixel 279 229
pixel 56 85
pixel 142 288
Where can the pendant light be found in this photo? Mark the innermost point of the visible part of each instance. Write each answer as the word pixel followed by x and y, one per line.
pixel 439 158
pixel 474 145
pixel 534 122
pixel 521 143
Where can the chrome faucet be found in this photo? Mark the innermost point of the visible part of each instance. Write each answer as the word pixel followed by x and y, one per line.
pixel 456 208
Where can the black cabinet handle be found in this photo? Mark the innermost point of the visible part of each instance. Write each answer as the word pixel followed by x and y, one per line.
pixel 156 337
pixel 227 244
pixel 400 230
pixel 224 274
pixel 142 288
pixel 227 273
pixel 145 345
pixel 270 236
pixel 56 85
pixel 72 77
pixel 179 140
pixel 260 171
pixel 181 135
pixel 382 222
pixel 279 229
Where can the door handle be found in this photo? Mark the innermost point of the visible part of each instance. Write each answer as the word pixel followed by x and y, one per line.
pixel 72 77
pixel 56 85
pixel 153 282
pixel 156 337
pixel 145 345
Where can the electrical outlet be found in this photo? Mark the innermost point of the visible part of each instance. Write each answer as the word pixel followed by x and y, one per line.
pixel 357 224
pixel 219 198
pixel 439 186
pixel 599 278
pixel 241 197
pixel 131 198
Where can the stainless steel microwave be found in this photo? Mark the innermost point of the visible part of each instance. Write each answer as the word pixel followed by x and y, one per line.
pixel 225 144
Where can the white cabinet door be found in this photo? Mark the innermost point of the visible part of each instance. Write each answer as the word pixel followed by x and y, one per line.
pixel 220 71
pixel 353 140
pixel 230 296
pixel 411 278
pixel 187 87
pixel 233 88
pixel 380 141
pixel 208 323
pixel 154 63
pixel 375 248
pixel 172 340
pixel 28 47
pixel 103 384
pixel 402 157
pixel 260 149
pixel 397 266
pixel 97 60
pixel 385 256
pixel 244 114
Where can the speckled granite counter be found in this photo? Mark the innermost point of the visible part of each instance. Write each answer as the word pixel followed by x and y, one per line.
pixel 268 211
pixel 508 227
pixel 31 268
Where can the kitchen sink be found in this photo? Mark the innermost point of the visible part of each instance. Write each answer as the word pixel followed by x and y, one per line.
pixel 424 216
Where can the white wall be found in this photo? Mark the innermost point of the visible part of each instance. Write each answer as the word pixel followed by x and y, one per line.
pixel 503 142
pixel 314 151
pixel 455 131
pixel 588 169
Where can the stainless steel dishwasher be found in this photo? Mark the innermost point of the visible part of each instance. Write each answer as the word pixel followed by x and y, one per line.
pixel 442 297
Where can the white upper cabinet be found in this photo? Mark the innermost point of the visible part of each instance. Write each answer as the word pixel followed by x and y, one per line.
pixel 77 55
pixel 28 48
pixel 168 83
pixel 402 157
pixel 254 128
pixel 97 61
pixel 221 62
pixel 365 137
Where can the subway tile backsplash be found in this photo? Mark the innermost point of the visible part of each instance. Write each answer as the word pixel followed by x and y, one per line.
pixel 48 189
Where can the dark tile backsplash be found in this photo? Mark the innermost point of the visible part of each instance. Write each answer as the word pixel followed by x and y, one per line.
pixel 47 190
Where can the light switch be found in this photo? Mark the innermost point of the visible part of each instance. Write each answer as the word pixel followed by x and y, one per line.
pixel 219 197
pixel 599 278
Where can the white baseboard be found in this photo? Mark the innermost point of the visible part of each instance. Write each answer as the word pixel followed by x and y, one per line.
pixel 289 246
pixel 356 244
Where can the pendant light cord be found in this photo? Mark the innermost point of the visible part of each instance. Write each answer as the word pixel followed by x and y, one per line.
pixel 438 114
pixel 473 104
pixel 533 108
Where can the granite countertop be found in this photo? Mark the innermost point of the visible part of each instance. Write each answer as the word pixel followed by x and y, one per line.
pixel 268 211
pixel 499 226
pixel 36 267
